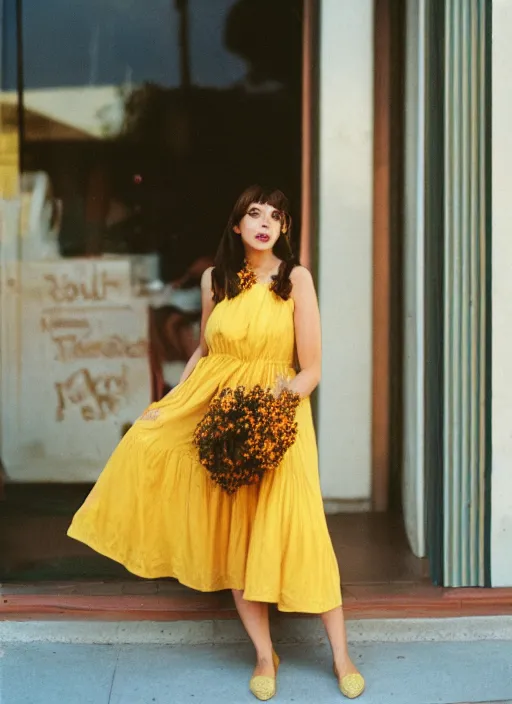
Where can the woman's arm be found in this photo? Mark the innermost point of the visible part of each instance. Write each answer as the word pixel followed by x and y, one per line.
pixel 307 333
pixel 207 306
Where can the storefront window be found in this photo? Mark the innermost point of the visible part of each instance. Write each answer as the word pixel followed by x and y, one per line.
pixel 138 125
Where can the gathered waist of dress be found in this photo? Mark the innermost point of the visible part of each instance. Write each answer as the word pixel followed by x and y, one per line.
pixel 283 364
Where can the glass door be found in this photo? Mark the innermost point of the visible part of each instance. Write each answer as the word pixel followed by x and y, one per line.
pixel 137 125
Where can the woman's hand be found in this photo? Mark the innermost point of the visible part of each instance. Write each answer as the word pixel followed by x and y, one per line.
pixel 281 384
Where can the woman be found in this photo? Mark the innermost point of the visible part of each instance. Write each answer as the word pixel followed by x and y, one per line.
pixel 154 507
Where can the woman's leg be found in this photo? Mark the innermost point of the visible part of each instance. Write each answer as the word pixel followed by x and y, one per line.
pixel 254 616
pixel 334 623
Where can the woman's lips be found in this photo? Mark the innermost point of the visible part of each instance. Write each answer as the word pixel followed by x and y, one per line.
pixel 263 238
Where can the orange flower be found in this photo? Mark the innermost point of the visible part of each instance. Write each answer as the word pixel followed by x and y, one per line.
pixel 246 278
pixel 246 434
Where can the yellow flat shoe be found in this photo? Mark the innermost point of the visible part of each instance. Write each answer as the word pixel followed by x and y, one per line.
pixel 351 686
pixel 262 686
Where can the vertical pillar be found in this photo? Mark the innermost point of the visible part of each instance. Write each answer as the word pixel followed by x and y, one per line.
pixel 501 519
pixel 345 248
pixel 465 398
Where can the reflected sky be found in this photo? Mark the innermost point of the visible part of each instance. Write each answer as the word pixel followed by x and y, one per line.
pixel 110 42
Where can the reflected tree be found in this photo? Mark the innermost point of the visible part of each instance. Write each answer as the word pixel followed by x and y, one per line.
pixel 196 148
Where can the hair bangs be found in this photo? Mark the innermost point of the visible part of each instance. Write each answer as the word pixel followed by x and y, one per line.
pixel 264 196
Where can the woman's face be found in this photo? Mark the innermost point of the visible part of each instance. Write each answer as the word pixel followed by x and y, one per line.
pixel 260 227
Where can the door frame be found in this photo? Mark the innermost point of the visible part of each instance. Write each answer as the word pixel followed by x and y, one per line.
pixel 388 253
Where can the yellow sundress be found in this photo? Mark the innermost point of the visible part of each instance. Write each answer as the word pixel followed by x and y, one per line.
pixel 156 510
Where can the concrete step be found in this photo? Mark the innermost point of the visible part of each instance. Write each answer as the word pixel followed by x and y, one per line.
pixel 285 630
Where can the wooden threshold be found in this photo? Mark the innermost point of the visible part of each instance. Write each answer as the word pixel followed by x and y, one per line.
pixel 111 602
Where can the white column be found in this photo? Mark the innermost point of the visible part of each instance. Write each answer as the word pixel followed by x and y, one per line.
pixel 501 513
pixel 413 483
pixel 345 247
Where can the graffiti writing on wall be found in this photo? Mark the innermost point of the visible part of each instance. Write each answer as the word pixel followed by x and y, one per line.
pixel 49 323
pixel 97 396
pixel 64 289
pixel 70 347
pixel 74 339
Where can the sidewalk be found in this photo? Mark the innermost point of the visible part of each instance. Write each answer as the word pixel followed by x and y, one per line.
pixel 397 673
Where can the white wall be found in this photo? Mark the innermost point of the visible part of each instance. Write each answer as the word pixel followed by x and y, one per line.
pixel 501 516
pixel 345 247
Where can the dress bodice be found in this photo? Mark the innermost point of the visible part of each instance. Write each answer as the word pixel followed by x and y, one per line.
pixel 256 325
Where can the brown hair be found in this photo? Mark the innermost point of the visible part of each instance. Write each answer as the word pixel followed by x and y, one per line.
pixel 230 256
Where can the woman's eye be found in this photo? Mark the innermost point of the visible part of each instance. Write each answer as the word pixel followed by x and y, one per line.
pixel 254 213
pixel 276 215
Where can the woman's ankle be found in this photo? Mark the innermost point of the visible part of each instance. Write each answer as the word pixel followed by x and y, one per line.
pixel 264 656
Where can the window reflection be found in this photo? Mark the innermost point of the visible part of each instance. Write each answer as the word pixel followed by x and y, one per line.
pixel 141 124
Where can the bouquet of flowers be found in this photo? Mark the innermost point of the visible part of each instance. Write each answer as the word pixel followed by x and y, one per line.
pixel 245 434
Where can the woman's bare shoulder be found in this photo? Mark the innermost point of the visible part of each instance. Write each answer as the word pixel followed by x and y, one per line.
pixel 206 279
pixel 301 278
